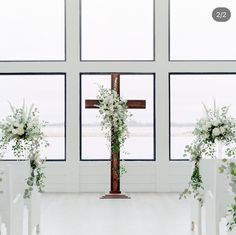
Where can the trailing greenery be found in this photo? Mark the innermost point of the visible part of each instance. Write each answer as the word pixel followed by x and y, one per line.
pixel 36 177
pixel 232 212
pixel 195 186
pixel 23 131
pixel 121 171
pixel 114 114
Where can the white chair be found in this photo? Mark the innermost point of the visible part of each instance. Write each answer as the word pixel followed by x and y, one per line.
pixel 11 205
pixel 33 205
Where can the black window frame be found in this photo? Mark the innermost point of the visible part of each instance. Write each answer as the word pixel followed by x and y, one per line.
pixel 169 85
pixel 65 114
pixel 154 117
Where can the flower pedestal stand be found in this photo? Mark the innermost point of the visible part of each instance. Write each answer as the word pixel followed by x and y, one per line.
pixel 195 216
pixel 11 203
pixel 33 205
pixel 216 193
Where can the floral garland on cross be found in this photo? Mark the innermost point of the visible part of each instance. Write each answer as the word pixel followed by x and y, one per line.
pixel 114 113
pixel 216 126
pixel 23 131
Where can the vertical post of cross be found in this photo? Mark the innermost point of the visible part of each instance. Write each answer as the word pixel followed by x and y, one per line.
pixel 115 156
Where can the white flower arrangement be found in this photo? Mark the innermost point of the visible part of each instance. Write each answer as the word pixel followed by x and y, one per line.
pixel 23 131
pixel 215 126
pixel 114 113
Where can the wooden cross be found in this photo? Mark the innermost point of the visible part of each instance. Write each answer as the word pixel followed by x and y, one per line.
pixel 115 157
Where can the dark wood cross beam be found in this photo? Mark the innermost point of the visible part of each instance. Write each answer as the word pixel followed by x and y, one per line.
pixel 115 157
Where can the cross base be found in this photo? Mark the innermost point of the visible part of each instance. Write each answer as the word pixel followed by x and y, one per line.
pixel 115 196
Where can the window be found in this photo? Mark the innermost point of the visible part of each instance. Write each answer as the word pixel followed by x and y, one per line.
pixel 195 35
pixel 47 93
pixel 141 144
pixel 117 29
pixel 187 92
pixel 32 30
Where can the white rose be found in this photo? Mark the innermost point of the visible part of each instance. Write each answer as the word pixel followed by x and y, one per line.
pixel 216 132
pixel 16 124
pixel 20 126
pixel 206 136
pixel 222 130
pixel 38 161
pixel 215 123
pixel 20 131
pixel 14 131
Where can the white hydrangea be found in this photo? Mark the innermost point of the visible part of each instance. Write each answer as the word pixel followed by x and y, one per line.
pixel 216 132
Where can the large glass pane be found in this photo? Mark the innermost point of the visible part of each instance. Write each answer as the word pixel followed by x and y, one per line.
pixel 188 92
pixel 47 93
pixel 93 142
pixel 117 29
pixel 32 30
pixel 195 35
pixel 140 145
